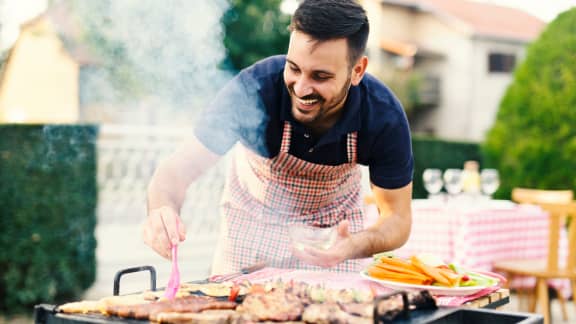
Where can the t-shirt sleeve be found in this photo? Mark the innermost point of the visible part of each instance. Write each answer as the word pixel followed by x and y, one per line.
pixel 235 114
pixel 392 162
pixel 217 125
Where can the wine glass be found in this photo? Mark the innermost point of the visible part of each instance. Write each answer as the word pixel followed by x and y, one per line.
pixel 489 181
pixel 453 181
pixel 432 181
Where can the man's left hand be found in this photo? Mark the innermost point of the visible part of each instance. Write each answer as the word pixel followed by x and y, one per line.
pixel 339 252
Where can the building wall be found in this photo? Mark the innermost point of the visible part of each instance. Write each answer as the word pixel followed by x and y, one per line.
pixel 470 95
pixel 491 87
pixel 447 120
pixel 389 22
pixel 40 84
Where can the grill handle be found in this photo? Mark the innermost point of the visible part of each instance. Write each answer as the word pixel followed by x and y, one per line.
pixel 122 272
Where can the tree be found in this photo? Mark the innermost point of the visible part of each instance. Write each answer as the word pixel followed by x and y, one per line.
pixel 168 49
pixel 254 29
pixel 533 141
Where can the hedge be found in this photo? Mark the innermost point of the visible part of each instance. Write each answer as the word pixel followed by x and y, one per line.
pixel 440 154
pixel 48 196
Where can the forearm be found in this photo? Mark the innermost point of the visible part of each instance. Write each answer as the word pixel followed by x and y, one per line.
pixel 391 233
pixel 165 189
pixel 174 174
pixel 392 229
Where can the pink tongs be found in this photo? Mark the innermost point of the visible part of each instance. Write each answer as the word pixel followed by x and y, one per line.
pixel 174 281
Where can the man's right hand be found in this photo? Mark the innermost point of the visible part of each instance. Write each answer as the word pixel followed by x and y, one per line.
pixel 162 229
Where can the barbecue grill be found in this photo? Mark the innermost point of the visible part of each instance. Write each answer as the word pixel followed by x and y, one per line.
pixel 47 313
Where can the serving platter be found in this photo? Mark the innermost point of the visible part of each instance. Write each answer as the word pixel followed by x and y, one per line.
pixel 435 290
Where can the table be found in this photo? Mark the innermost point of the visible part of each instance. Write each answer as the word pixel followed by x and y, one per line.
pixel 488 298
pixel 475 234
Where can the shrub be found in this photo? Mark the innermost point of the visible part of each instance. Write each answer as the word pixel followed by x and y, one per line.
pixel 47 215
pixel 533 141
pixel 440 154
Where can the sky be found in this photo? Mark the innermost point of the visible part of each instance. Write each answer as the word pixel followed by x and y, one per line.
pixel 13 12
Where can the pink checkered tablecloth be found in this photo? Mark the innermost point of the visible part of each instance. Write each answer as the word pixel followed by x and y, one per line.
pixel 475 234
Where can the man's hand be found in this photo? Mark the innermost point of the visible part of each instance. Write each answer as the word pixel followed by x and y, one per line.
pixel 342 250
pixel 162 229
pixel 389 233
pixel 167 191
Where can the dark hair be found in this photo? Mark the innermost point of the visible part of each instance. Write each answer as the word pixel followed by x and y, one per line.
pixel 331 19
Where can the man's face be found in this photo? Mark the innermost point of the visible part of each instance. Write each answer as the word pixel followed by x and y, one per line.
pixel 318 76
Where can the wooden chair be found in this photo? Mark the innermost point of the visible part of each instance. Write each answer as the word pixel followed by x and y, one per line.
pixel 559 205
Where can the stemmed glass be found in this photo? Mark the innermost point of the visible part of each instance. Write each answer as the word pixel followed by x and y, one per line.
pixel 432 181
pixel 489 181
pixel 453 181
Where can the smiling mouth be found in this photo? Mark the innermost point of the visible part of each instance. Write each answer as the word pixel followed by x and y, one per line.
pixel 307 102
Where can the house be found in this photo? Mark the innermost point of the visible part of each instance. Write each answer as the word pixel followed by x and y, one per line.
pixel 53 75
pixel 39 81
pixel 460 54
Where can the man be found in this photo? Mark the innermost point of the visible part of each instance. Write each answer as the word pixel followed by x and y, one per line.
pixel 303 122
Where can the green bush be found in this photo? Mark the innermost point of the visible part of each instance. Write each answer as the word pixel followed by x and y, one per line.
pixel 47 216
pixel 533 141
pixel 440 154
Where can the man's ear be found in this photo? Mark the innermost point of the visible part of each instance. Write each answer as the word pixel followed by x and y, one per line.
pixel 358 70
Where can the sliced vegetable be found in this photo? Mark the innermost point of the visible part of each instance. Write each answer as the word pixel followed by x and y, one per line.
pixel 418 271
pixel 234 292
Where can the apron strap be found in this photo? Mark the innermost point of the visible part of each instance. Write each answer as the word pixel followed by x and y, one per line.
pixel 351 142
pixel 351 147
pixel 286 133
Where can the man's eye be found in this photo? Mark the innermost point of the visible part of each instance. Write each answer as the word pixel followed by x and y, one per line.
pixel 321 77
pixel 294 69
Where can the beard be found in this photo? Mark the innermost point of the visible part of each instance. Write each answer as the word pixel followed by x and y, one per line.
pixel 325 109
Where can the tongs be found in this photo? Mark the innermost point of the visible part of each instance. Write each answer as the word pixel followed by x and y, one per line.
pixel 174 281
pixel 246 270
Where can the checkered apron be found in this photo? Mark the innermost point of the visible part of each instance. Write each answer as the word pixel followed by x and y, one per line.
pixel 264 195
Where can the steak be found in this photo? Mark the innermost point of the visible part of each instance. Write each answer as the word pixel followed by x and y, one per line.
pixel 191 304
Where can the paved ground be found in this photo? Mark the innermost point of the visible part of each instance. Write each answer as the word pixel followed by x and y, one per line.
pixel 515 306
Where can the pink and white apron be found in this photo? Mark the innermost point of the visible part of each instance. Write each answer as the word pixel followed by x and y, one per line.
pixel 263 195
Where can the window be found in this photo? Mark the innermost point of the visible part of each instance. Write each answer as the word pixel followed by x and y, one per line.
pixel 499 62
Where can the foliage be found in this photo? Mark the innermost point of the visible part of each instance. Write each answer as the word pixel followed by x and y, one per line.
pixel 406 85
pixel 47 220
pixel 254 29
pixel 533 141
pixel 440 154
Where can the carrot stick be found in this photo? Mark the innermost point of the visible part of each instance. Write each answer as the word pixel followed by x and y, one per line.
pixel 385 272
pixel 399 262
pixel 431 271
pixel 379 273
pixel 453 278
pixel 411 272
pixel 395 261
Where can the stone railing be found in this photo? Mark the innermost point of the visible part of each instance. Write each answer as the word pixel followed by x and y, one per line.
pixel 127 157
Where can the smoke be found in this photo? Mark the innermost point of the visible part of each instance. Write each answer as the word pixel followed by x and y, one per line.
pixel 66 145
pixel 161 58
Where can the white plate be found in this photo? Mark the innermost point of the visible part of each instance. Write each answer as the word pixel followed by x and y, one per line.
pixel 434 290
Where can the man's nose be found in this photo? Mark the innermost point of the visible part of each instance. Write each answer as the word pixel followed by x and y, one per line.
pixel 302 87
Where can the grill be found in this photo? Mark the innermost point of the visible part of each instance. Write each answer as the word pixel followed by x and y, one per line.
pixel 47 313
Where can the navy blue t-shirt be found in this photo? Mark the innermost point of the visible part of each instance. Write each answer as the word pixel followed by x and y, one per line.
pixel 254 105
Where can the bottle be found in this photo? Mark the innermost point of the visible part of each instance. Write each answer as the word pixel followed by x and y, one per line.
pixel 471 178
